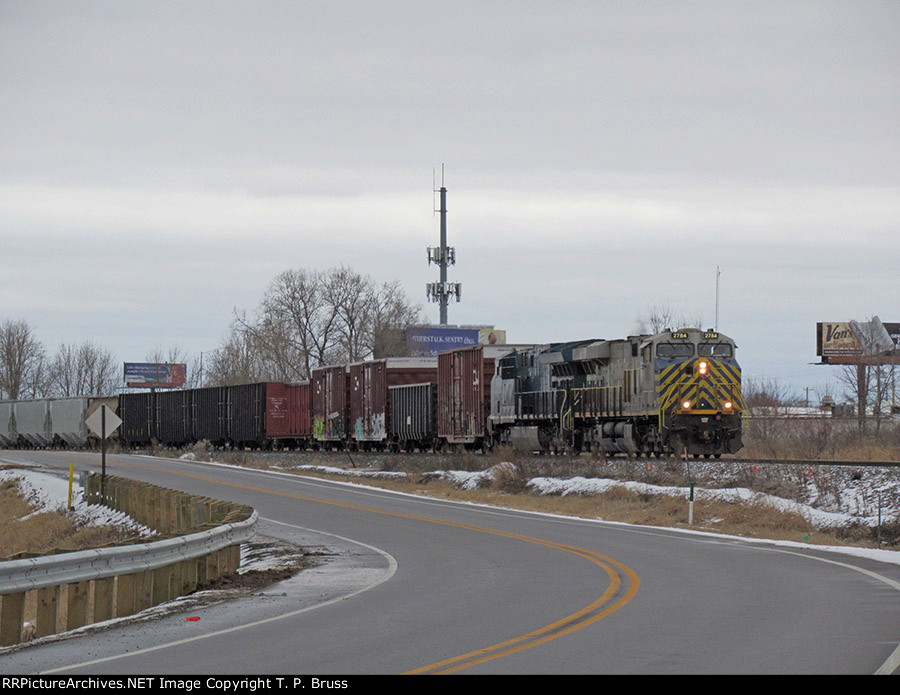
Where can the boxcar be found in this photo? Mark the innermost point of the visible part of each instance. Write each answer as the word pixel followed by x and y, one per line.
pixel 287 414
pixel 330 401
pixel 464 392
pixel 369 389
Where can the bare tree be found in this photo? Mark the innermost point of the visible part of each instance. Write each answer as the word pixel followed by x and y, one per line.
pixel 23 368
pixel 238 361
pixel 391 314
pixel 868 382
pixel 308 318
pixel 83 370
pixel 662 317
pixel 175 354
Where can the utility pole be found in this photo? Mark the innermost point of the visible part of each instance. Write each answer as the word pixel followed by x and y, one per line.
pixel 443 256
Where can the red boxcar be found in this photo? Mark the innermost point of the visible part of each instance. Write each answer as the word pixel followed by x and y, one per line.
pixel 464 392
pixel 370 383
pixel 330 403
pixel 288 413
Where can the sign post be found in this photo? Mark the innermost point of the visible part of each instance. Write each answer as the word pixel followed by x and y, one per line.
pixel 103 422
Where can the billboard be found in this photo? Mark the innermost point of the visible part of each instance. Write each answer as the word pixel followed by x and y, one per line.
pixel 151 375
pixel 428 341
pixel 848 342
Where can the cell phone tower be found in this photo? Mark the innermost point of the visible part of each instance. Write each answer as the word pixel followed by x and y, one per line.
pixel 442 256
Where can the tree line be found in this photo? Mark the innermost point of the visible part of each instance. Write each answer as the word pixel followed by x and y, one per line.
pixel 305 318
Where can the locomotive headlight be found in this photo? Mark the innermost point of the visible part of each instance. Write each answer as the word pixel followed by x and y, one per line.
pixel 702 368
pixel 728 405
pixel 686 405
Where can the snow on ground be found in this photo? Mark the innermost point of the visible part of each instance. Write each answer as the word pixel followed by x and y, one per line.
pixel 845 501
pixel 50 493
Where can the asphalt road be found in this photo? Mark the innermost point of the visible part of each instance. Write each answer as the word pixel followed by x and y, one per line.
pixel 412 585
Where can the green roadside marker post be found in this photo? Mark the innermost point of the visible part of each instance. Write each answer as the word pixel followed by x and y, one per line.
pixel 687 463
pixel 691 506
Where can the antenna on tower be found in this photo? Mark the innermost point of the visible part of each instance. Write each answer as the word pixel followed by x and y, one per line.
pixel 442 256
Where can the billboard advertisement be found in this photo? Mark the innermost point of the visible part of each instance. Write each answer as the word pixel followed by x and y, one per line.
pixel 151 375
pixel 428 341
pixel 844 342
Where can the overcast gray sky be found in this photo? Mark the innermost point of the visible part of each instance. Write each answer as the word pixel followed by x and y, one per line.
pixel 161 162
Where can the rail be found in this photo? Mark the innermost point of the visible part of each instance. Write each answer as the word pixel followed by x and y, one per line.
pixel 201 542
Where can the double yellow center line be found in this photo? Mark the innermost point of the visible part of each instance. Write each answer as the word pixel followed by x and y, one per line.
pixel 623 581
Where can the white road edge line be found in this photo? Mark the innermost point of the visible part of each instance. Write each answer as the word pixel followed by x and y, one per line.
pixel 893 661
pixel 392 568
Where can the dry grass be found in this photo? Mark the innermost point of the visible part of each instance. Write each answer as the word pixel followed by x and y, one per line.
pixel 43 532
pixel 749 520
pixel 820 438
pixel 512 471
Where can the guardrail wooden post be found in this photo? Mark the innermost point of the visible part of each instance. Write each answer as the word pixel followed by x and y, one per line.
pixel 212 567
pixel 222 560
pixel 134 503
pixel 12 613
pixel 159 519
pixel 188 576
pixel 150 510
pixel 76 604
pixel 103 599
pixel 171 511
pixel 125 589
pixel 143 591
pixel 200 564
pixel 160 589
pixel 175 581
pixel 47 611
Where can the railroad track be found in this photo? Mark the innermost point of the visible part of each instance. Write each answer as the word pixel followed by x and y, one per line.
pixel 358 459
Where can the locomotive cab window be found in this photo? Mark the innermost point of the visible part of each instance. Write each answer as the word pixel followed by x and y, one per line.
pixel 506 367
pixel 675 350
pixel 715 350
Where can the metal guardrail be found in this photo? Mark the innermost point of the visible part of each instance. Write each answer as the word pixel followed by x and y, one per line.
pixel 85 565
pixel 201 542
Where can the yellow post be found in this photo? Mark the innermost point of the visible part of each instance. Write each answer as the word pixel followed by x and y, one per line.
pixel 71 476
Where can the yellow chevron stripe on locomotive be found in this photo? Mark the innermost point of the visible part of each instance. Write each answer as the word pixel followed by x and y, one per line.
pixel 702 385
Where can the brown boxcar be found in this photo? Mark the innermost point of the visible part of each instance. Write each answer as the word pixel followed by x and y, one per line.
pixel 330 403
pixel 287 413
pixel 369 387
pixel 464 392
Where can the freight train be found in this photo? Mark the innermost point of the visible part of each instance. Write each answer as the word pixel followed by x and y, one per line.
pixel 675 392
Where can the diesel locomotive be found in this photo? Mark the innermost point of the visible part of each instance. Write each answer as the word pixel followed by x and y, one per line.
pixel 675 392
